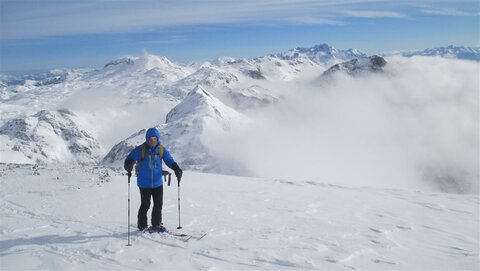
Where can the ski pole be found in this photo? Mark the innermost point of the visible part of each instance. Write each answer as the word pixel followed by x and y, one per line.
pixel 179 227
pixel 129 175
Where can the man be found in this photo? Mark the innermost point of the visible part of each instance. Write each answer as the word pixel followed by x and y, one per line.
pixel 149 158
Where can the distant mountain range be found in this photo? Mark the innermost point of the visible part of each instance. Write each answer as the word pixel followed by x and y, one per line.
pixel 322 54
pixel 459 52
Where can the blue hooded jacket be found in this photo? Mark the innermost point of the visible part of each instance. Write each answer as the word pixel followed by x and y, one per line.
pixel 149 174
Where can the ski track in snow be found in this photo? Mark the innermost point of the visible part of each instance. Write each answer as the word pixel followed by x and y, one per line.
pixel 75 218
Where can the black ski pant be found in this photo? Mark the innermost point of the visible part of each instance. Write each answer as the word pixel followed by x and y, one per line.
pixel 145 195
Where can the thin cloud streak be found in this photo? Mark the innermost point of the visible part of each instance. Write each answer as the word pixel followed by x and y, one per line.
pixel 374 14
pixel 31 19
pixel 449 12
pixel 315 21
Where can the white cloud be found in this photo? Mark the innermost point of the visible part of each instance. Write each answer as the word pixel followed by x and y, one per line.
pixel 414 127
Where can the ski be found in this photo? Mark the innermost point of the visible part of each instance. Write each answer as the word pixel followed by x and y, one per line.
pixel 181 236
pixel 178 236
pixel 190 236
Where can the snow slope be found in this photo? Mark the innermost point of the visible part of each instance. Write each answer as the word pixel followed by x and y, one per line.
pixel 75 218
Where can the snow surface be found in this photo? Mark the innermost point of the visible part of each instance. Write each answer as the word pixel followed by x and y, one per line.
pixel 75 218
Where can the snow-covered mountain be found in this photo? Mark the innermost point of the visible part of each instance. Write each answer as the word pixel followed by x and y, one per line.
pixel 187 125
pixel 148 65
pixel 358 66
pixel 153 83
pixel 48 136
pixel 460 52
pixel 190 124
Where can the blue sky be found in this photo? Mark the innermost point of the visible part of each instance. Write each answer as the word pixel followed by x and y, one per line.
pixel 44 34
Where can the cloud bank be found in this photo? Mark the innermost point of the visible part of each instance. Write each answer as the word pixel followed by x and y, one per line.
pixel 416 127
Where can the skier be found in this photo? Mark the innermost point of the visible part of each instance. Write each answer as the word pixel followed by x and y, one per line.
pixel 149 158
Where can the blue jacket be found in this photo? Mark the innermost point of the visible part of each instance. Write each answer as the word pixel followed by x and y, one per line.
pixel 150 173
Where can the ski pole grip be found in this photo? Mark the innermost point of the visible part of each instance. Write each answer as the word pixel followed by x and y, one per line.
pixel 166 173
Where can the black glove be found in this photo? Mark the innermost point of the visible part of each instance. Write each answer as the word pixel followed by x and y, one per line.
pixel 178 171
pixel 129 162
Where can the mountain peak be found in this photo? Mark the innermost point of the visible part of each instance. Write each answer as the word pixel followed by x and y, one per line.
pixel 199 90
pixel 149 61
pixel 121 61
pixel 146 62
pixel 321 47
pixel 197 102
pixel 224 60
pixel 158 68
pixel 358 66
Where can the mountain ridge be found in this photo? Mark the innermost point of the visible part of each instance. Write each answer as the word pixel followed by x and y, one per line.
pixel 317 54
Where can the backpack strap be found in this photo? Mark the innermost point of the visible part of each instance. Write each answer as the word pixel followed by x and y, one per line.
pixel 144 151
pixel 160 151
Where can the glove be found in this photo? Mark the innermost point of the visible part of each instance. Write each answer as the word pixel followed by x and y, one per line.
pixel 129 162
pixel 178 171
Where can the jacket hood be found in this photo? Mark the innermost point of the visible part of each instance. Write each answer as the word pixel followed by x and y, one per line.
pixel 152 132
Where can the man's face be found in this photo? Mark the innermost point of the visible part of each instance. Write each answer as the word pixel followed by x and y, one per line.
pixel 152 141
